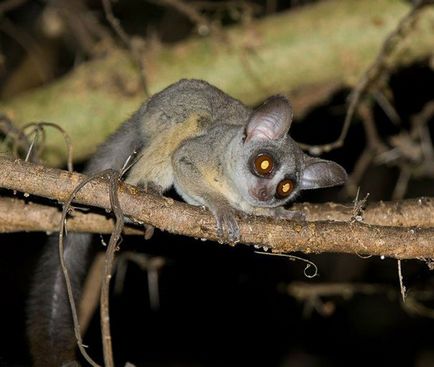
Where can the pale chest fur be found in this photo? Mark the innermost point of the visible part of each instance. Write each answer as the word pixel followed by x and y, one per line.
pixel 217 181
pixel 154 163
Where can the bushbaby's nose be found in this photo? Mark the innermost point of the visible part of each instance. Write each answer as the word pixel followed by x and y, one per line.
pixel 260 193
pixel 263 194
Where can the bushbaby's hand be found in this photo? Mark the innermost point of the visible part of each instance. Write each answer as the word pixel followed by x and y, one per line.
pixel 227 226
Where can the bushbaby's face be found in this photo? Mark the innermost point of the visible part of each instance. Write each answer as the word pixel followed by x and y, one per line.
pixel 267 174
pixel 269 168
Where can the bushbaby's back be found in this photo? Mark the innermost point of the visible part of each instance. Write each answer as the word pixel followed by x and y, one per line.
pixel 182 111
pixel 178 102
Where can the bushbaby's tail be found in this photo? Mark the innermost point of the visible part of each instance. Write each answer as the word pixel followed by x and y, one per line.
pixel 50 326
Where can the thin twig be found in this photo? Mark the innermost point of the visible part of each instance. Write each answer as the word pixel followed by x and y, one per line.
pixel 363 162
pixel 386 106
pixel 297 258
pixel 371 75
pixel 401 184
pixel 372 137
pixel 40 125
pixel 414 305
pixel 401 282
pixel 115 23
pixel 66 207
pixel 15 134
pixel 359 206
pixel 113 177
pixel 374 147
pixel 91 292
pixel 203 25
pixel 313 292
pixel 135 53
pixel 420 131
pixel 38 140
pixel 152 265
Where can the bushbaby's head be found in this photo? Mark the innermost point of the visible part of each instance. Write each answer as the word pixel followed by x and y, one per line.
pixel 270 169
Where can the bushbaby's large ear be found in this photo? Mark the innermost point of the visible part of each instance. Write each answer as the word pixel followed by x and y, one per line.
pixel 319 173
pixel 271 120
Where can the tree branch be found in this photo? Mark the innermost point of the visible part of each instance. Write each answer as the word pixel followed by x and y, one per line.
pixel 401 213
pixel 180 218
pixel 330 42
pixel 17 216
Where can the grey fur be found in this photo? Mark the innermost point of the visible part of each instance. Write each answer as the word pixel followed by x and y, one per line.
pixel 198 139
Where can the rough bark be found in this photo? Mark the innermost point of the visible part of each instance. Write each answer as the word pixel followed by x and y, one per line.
pixel 18 215
pixel 180 218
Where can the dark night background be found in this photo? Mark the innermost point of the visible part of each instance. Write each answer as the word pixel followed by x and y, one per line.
pixel 229 306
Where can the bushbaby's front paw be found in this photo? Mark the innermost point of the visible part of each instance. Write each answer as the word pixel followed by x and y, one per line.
pixel 227 226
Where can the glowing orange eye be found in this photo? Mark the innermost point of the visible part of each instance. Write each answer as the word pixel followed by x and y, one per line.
pixel 263 164
pixel 284 188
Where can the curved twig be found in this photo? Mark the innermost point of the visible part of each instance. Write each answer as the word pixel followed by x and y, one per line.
pixel 38 126
pixel 370 76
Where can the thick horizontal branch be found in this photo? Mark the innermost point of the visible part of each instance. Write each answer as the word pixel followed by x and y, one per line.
pixel 326 43
pixel 180 218
pixel 401 213
pixel 17 215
